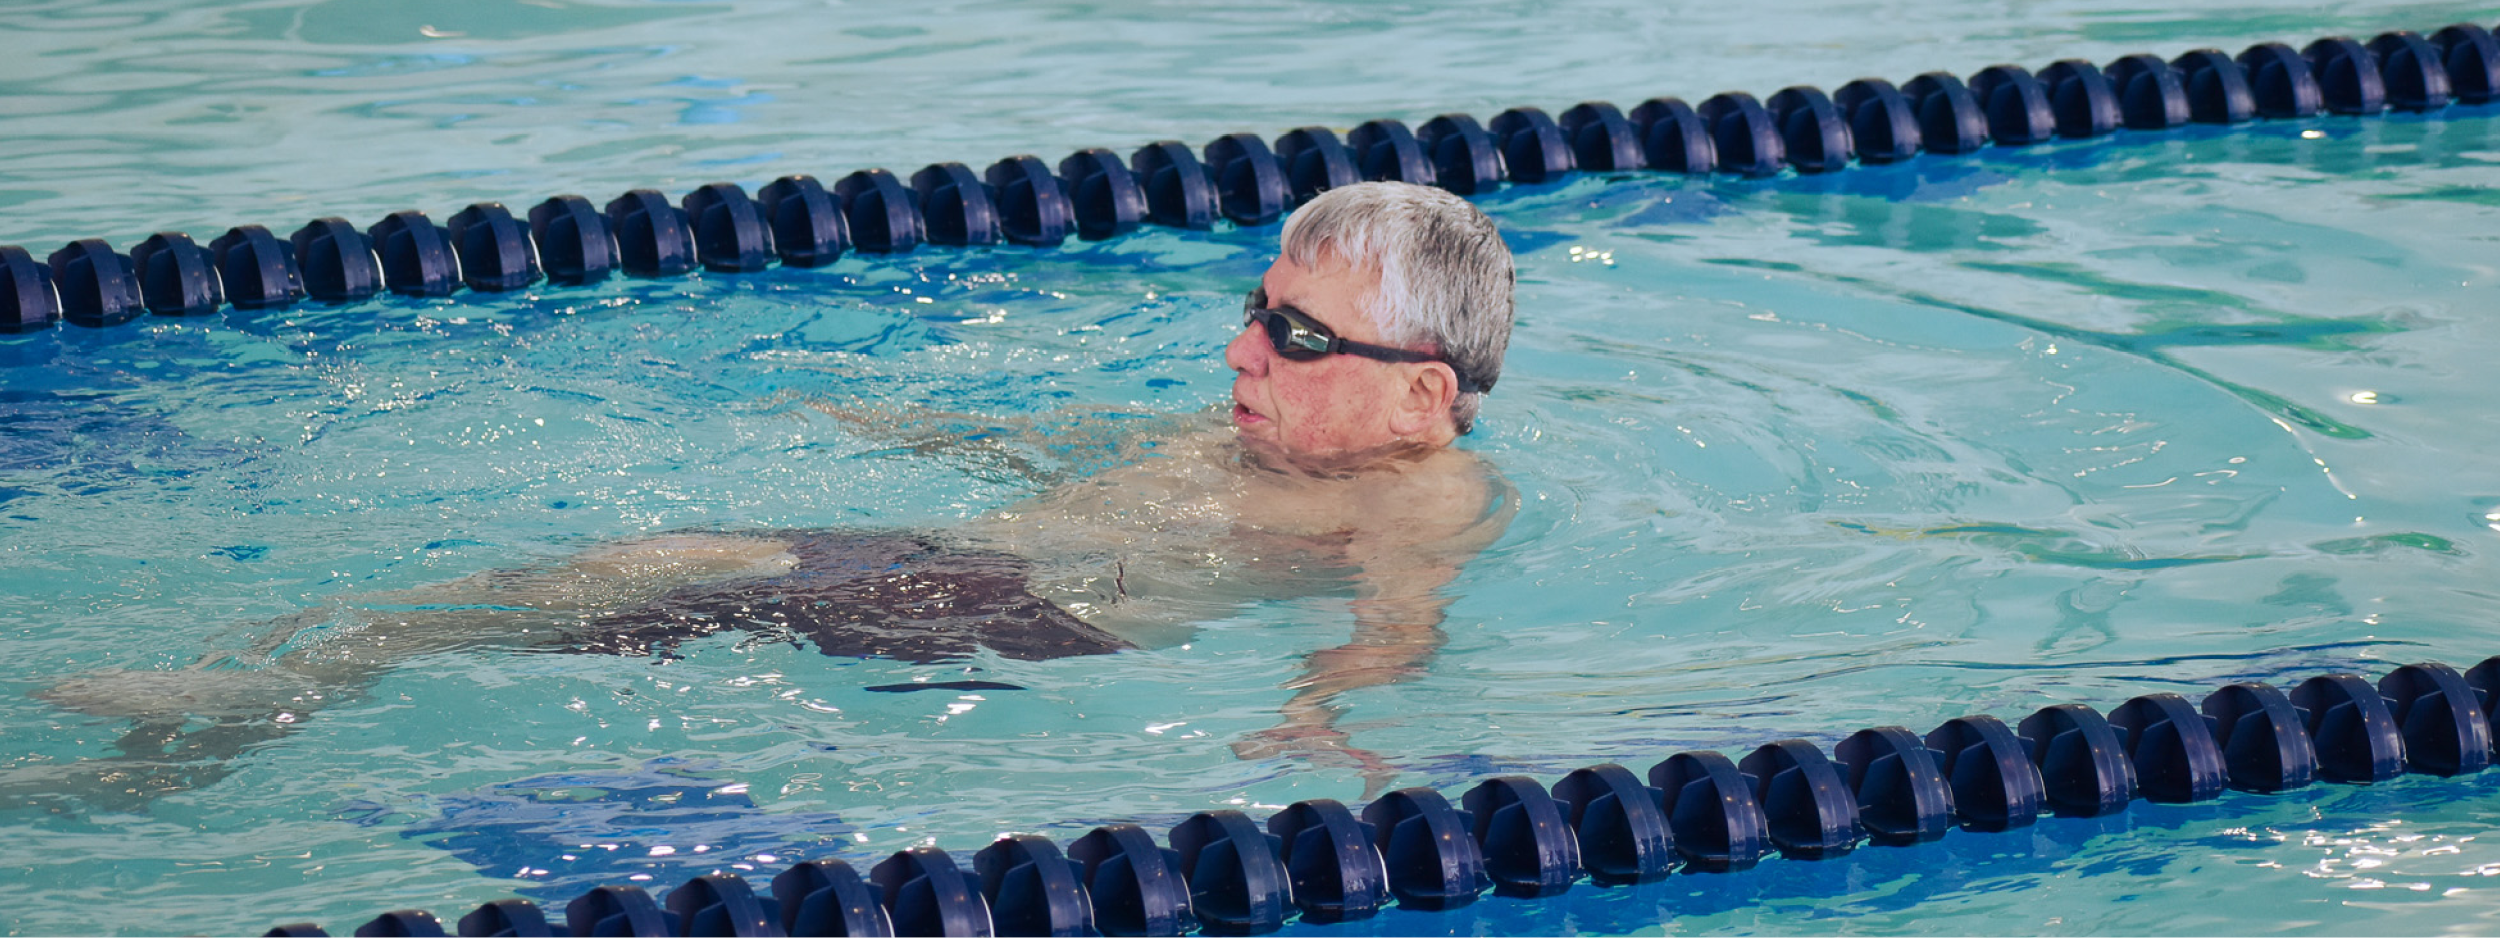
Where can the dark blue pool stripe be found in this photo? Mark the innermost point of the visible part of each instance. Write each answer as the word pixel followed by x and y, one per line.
pixel 799 222
pixel 1220 872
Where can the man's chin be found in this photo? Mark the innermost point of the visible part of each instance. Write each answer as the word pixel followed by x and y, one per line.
pixel 1259 440
pixel 1256 435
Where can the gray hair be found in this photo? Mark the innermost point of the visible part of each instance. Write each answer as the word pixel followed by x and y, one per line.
pixel 1444 274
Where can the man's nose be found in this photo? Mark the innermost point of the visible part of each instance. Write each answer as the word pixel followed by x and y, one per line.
pixel 1247 354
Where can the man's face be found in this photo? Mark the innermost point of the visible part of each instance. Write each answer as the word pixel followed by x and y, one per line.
pixel 1337 405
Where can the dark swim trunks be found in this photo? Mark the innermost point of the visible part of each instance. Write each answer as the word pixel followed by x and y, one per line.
pixel 868 596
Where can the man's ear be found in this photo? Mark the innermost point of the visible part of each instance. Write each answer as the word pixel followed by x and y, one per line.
pixel 1424 405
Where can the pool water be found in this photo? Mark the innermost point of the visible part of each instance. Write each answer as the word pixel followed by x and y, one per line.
pixel 1793 457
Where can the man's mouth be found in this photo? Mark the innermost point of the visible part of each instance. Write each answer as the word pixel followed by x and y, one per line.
pixel 1243 415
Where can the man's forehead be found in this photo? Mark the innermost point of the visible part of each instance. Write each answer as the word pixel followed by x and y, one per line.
pixel 1328 273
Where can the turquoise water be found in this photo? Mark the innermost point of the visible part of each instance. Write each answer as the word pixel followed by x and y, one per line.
pixel 1794 457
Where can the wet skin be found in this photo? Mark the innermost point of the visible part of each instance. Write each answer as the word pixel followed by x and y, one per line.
pixel 1331 476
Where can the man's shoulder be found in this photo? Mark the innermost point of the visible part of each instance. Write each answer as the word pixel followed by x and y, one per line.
pixel 1439 495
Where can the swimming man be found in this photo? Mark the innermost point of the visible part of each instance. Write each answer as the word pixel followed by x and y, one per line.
pixel 1365 352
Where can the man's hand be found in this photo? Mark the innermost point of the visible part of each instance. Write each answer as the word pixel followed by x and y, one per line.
pixel 1321 745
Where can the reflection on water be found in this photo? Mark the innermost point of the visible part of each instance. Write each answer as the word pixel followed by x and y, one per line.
pixel 658 823
pixel 1792 458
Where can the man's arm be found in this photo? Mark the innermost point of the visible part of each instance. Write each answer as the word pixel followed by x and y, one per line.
pixel 1399 606
pixel 1039 450
pixel 1397 628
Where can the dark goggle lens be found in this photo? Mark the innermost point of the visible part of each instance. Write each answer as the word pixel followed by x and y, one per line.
pixel 1292 336
pixel 1300 341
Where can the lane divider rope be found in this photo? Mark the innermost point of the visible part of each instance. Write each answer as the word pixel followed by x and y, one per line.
pixel 1094 195
pixel 1222 873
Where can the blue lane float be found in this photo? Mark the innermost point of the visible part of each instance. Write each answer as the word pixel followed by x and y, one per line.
pixel 2082 99
pixel 1619 823
pixel 1222 873
pixel 176 276
pixel 1033 888
pixel 256 269
pixel 1716 823
pixel 1988 769
pixel 96 286
pixel 1332 870
pixel 1314 160
pixel 1901 793
pixel 1602 139
pixel 1530 851
pixel 817 897
pixel 2017 105
pixel 1883 125
pixel 335 261
pixel 416 255
pixel 1239 178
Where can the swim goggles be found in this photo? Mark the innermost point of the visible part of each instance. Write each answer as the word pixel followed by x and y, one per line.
pixel 1298 337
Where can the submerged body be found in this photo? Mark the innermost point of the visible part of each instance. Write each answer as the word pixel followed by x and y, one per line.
pixel 1364 353
pixel 858 595
pixel 1130 557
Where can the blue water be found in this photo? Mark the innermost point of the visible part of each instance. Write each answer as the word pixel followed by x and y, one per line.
pixel 1794 457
